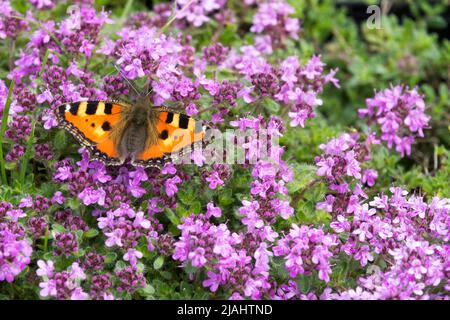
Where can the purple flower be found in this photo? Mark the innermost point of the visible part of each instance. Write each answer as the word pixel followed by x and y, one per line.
pixel 91 196
pixel 114 238
pixel 369 177
pixel 213 211
pixel 212 282
pixel 48 288
pixel 251 216
pixel 58 198
pixel 197 257
pixel 400 115
pixel 273 18
pixel 214 180
pixel 170 185
pixel 132 256
pixel 43 4
pixel 15 252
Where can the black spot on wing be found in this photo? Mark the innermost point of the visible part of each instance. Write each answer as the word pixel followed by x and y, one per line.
pixel 74 108
pixel 91 107
pixel 108 108
pixel 164 135
pixel 93 125
pixel 106 126
pixel 184 121
pixel 62 110
pixel 169 118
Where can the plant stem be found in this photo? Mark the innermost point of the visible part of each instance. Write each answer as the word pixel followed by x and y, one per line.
pixel 300 194
pixel 44 62
pixel 46 240
pixel 26 156
pixel 43 28
pixel 126 10
pixel 174 17
pixel 206 109
pixel 2 132
pixel 12 47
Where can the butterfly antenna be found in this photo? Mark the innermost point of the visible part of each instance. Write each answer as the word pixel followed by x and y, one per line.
pixel 128 81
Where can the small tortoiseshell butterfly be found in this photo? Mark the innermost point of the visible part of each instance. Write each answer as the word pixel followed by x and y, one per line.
pixel 114 131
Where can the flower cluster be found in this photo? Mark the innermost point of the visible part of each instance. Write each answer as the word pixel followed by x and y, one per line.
pixel 197 12
pixel 341 164
pixel 307 249
pixel 15 250
pixel 10 25
pixel 237 261
pixel 400 115
pixel 411 235
pixel 61 285
pixel 124 227
pixel 273 18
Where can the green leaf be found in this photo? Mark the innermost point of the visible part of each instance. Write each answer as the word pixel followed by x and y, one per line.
pixel 110 257
pixel 79 234
pixel 60 141
pixel 187 196
pixel 58 228
pixel 148 290
pixel 91 233
pixel 226 197
pixel 120 265
pixel 10 166
pixel 80 253
pixel 196 207
pixel 73 203
pixel 158 263
pixel 304 283
pixel 2 131
pixel 172 216
pixel 271 106
pixel 28 154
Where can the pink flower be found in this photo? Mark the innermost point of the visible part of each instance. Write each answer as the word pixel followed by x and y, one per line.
pixel 48 288
pixel 171 185
pixel 132 256
pixel 212 282
pixel 369 177
pixel 45 269
pixel 114 238
pixel 91 196
pixel 214 180
pixel 197 257
pixel 213 211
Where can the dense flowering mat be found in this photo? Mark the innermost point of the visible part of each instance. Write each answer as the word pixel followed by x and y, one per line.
pixel 334 218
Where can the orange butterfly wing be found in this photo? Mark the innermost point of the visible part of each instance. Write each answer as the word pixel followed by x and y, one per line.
pixel 177 133
pixel 91 123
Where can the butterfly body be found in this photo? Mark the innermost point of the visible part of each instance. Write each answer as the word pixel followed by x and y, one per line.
pixel 115 131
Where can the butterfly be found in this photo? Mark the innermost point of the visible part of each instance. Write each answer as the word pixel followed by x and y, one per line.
pixel 114 131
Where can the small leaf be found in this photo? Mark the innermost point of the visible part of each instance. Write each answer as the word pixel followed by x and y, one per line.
pixel 271 105
pixel 172 216
pixel 148 289
pixel 158 263
pixel 59 141
pixel 58 228
pixel 10 166
pixel 110 257
pixel 91 233
pixel 73 203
